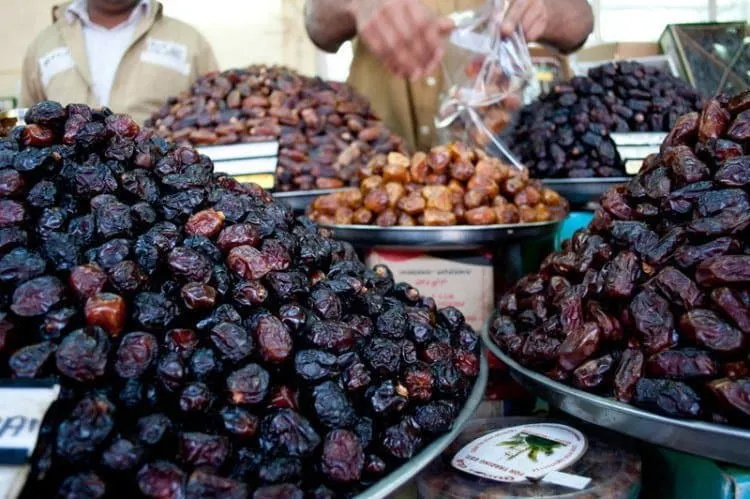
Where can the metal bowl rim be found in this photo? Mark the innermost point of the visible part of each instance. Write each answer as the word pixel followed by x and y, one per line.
pixel 700 426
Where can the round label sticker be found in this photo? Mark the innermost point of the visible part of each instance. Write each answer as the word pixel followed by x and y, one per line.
pixel 520 452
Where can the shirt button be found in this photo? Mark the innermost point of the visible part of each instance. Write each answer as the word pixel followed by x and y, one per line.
pixel 430 81
pixel 424 130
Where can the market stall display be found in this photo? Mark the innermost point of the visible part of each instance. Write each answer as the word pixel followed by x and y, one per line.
pixel 565 133
pixel 450 185
pixel 207 343
pixel 325 130
pixel 651 303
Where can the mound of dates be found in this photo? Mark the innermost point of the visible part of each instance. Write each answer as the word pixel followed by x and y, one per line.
pixel 650 304
pixel 325 130
pixel 449 185
pixel 207 343
pixel 565 133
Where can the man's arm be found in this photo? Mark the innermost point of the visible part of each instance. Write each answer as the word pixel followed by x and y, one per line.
pixel 330 23
pixel 564 24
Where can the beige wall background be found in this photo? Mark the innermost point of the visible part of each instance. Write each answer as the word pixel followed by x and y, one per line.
pixel 242 32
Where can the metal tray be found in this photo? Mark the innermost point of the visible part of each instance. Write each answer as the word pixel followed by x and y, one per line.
pixel 719 442
pixel 300 200
pixel 436 238
pixel 580 191
pixel 400 476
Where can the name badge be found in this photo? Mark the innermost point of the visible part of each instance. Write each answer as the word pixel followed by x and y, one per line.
pixel 55 62
pixel 166 54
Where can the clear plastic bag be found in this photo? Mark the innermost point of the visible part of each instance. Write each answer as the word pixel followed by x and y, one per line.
pixel 485 76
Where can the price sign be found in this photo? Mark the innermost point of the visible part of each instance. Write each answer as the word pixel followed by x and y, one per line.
pixel 251 162
pixel 24 404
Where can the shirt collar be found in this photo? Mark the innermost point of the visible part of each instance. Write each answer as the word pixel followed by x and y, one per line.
pixel 79 10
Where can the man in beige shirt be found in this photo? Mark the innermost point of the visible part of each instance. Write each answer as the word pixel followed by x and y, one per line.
pixel 123 54
pixel 400 44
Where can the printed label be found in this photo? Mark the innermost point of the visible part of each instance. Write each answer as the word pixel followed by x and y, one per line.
pixel 55 62
pixel 465 282
pixel 25 402
pixel 166 54
pixel 21 417
pixel 522 453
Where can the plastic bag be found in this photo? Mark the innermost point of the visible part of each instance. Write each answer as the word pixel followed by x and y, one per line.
pixel 483 74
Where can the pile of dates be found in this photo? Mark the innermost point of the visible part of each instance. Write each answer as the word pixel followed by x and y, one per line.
pixel 450 185
pixel 207 343
pixel 325 130
pixel 565 133
pixel 651 303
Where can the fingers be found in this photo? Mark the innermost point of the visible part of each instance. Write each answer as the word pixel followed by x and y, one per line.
pixel 445 26
pixel 534 22
pixel 514 15
pixel 406 36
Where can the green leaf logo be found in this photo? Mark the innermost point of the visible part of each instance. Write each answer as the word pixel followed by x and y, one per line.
pixel 532 445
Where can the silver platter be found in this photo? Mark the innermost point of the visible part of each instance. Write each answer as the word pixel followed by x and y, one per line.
pixel 719 442
pixel 408 470
pixel 435 238
pixel 579 191
pixel 300 200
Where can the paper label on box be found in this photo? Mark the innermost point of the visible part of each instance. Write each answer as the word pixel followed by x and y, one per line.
pixel 523 453
pixel 465 282
pixel 21 413
pixel 25 402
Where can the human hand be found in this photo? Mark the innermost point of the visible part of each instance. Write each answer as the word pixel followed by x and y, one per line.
pixel 531 15
pixel 405 35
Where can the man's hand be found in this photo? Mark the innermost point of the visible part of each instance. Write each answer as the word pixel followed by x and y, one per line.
pixel 532 15
pixel 406 35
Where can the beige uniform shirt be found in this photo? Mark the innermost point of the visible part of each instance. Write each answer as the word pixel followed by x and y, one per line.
pixel 164 58
pixel 407 107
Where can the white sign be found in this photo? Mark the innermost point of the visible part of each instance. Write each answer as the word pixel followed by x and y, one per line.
pixel 523 453
pixel 21 415
pixel 55 62
pixel 166 54
pixel 24 404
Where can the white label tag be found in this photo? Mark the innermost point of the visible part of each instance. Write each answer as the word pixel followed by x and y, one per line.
pixel 12 480
pixel 524 452
pixel 25 402
pixel 21 415
pixel 166 54
pixel 55 62
pixel 473 42
pixel 567 480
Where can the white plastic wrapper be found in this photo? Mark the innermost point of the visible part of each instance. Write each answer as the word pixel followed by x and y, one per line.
pixel 485 76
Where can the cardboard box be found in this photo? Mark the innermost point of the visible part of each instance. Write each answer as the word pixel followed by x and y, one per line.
pixel 646 53
pixel 617 51
pixel 461 280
